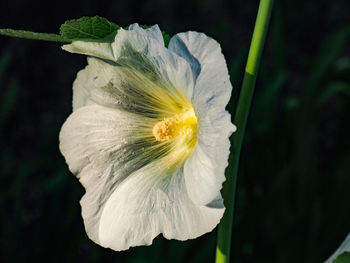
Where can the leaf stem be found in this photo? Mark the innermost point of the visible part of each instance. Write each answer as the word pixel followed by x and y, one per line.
pixel 33 35
pixel 240 120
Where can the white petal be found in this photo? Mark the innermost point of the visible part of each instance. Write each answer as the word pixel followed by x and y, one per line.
pixel 344 247
pixel 152 32
pixel 95 49
pixel 204 171
pixel 172 67
pixel 139 50
pixel 202 182
pixel 125 88
pixel 212 84
pixel 91 133
pixel 89 86
pixel 94 141
pixel 150 202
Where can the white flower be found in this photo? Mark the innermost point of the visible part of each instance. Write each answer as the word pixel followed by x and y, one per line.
pixel 149 136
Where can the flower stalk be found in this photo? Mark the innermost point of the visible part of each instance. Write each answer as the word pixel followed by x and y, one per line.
pixel 240 120
pixel 33 35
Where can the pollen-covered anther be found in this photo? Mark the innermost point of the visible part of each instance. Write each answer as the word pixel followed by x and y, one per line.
pixel 184 124
pixel 165 130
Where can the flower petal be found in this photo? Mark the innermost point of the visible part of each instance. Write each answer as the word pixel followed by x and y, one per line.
pixel 89 86
pixel 127 89
pixel 95 49
pixel 91 134
pixel 203 181
pixel 141 51
pixel 212 83
pixel 130 197
pixel 204 170
pixel 173 68
pixel 150 202
pixel 97 144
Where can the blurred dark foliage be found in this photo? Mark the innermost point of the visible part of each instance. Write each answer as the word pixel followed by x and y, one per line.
pixel 293 201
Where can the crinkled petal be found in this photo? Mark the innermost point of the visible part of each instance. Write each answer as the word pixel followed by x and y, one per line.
pixel 89 88
pixel 99 144
pixel 96 135
pixel 150 202
pixel 172 67
pixel 203 181
pixel 131 194
pixel 212 82
pixel 141 51
pixel 151 32
pixel 124 88
pixel 204 170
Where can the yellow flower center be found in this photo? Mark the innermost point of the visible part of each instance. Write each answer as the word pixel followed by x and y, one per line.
pixel 184 124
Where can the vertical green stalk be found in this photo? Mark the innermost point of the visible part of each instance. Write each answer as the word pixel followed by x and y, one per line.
pixel 240 120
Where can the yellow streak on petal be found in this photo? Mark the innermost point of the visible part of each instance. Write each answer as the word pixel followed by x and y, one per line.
pixel 168 121
pixel 180 131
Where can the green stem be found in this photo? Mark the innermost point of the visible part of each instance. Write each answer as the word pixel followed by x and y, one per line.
pixel 240 120
pixel 32 35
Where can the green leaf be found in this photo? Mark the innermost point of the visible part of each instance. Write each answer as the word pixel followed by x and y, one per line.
pixel 166 38
pixel 89 28
pixel 32 35
pixel 343 258
pixel 97 29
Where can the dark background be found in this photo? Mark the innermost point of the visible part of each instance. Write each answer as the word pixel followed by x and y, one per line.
pixel 293 202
